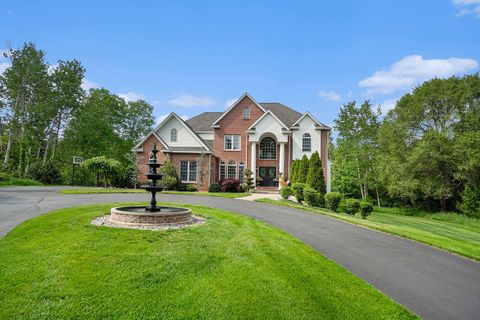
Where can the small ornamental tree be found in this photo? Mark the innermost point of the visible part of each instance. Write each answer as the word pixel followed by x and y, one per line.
pixel 248 180
pixel 293 171
pixel 170 178
pixel 101 166
pixel 302 173
pixel 315 177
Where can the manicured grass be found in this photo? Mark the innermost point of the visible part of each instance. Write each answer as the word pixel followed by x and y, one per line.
pixel 89 190
pixel 19 182
pixel 232 195
pixel 86 190
pixel 448 231
pixel 59 266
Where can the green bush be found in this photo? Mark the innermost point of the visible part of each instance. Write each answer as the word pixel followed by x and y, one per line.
pixel 298 191
pixel 311 196
pixel 191 188
pixel 332 200
pixel 214 187
pixel 352 206
pixel 286 192
pixel 169 183
pixel 321 200
pixel 470 205
pixel 365 209
pixel 315 177
pixel 47 173
pixel 4 176
pixel 181 187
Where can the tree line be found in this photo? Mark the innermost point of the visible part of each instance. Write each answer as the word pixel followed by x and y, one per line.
pixel 46 118
pixel 425 153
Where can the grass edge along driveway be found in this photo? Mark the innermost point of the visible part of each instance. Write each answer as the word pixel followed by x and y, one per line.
pixel 458 235
pixel 92 190
pixel 58 265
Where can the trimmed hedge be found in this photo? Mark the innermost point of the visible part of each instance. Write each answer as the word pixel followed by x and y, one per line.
pixel 352 206
pixel 365 209
pixel 286 192
pixel 332 200
pixel 311 196
pixel 214 187
pixel 298 191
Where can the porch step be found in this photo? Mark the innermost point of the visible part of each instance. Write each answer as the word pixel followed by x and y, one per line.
pixel 271 190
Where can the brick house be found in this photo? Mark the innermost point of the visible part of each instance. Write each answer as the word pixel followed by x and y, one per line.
pixel 212 146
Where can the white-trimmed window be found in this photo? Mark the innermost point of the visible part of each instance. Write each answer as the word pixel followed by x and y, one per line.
pixel 188 171
pixel 268 149
pixel 241 171
pixel 232 169
pixel 223 170
pixel 173 135
pixel 231 142
pixel 306 142
pixel 246 113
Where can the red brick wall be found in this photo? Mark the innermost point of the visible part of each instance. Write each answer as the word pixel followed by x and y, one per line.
pixel 233 123
pixel 324 152
pixel 177 157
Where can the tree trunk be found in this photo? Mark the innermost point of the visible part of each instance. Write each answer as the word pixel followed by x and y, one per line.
pixel 359 179
pixel 9 145
pixel 378 196
pixel 27 160
pixel 98 178
pixel 45 153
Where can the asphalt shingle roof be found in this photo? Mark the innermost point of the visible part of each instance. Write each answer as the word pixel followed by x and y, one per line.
pixel 203 121
pixel 287 115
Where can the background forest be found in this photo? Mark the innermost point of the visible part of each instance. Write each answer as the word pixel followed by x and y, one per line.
pixel 425 153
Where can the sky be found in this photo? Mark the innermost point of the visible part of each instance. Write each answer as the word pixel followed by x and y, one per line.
pixel 195 56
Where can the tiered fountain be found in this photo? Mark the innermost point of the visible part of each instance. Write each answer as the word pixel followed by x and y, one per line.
pixel 151 215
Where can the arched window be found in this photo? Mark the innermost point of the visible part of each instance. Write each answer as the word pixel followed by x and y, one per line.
pixel 306 142
pixel 232 169
pixel 223 170
pixel 241 171
pixel 268 149
pixel 246 113
pixel 173 135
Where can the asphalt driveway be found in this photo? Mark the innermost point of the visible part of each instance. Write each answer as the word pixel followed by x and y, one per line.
pixel 432 283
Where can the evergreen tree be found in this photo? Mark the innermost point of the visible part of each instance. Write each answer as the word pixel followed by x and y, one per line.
pixel 293 171
pixel 301 176
pixel 315 177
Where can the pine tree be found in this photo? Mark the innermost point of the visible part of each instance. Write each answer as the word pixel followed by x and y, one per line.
pixel 301 176
pixel 315 177
pixel 293 171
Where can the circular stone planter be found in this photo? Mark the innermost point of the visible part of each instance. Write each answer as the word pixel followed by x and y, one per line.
pixel 138 216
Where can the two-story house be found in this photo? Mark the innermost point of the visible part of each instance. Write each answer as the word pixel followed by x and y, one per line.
pixel 265 137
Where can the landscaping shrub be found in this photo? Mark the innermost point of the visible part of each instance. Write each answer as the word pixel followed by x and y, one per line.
pixel 315 177
pixel 214 187
pixel 352 206
pixel 286 192
pixel 311 196
pixel 230 185
pixel 470 205
pixel 248 184
pixel 191 187
pixel 169 183
pixel 301 175
pixel 181 187
pixel 321 200
pixel 365 209
pixel 298 191
pixel 4 176
pixel 47 173
pixel 332 200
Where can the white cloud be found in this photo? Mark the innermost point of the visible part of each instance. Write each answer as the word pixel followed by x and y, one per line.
pixel 229 102
pixel 162 117
pixel 188 101
pixel 412 70
pixel 387 105
pixel 87 85
pixel 468 7
pixel 329 95
pixel 131 96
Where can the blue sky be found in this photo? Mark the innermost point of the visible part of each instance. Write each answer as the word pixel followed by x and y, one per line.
pixel 194 56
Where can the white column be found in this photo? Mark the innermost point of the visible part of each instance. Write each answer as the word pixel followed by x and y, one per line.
pixel 254 162
pixel 281 168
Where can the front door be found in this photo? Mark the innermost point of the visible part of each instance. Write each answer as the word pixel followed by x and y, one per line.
pixel 268 175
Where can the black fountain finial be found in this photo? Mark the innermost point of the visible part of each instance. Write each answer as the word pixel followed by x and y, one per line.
pixel 152 174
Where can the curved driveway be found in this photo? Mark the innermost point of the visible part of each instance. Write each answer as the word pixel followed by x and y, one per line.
pixel 430 282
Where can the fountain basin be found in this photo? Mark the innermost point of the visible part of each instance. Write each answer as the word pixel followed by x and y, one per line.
pixel 138 216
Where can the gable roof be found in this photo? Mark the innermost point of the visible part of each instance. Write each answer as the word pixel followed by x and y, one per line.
pixel 246 94
pixel 203 121
pixel 195 135
pixel 318 124
pixel 287 115
pixel 145 139
pixel 252 127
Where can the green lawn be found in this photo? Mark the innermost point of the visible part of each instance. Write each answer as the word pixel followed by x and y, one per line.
pixel 19 182
pixel 59 266
pixel 448 231
pixel 87 190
